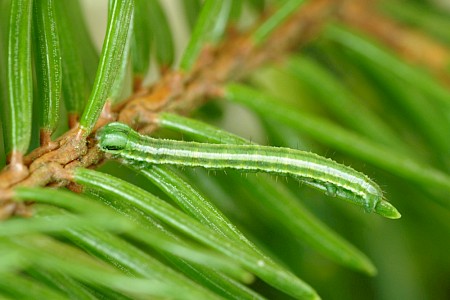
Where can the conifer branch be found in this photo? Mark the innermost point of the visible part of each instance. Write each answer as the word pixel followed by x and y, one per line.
pixel 176 92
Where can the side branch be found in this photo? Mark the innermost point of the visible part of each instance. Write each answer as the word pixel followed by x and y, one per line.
pixel 235 57
pixel 412 45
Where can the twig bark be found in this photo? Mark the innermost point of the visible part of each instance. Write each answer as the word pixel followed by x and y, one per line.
pixel 411 45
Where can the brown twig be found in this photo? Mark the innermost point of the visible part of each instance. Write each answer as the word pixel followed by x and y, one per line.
pixel 176 92
pixel 411 45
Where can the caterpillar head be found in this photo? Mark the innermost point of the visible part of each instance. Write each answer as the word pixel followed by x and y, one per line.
pixel 113 137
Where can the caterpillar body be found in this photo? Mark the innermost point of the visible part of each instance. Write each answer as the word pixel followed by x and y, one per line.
pixel 320 172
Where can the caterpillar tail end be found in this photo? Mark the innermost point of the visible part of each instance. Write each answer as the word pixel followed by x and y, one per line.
pixel 387 210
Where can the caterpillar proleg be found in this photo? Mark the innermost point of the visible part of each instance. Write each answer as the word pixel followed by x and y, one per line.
pixel 323 173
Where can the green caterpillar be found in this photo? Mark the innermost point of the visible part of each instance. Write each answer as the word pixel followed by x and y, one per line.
pixel 322 173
